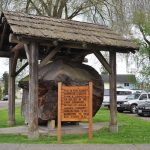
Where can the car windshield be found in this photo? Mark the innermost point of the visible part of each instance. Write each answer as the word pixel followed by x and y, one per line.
pixel 133 96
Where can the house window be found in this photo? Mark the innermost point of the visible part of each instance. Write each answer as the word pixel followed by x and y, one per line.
pixel 126 84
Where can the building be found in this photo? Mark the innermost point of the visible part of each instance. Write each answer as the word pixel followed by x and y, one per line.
pixel 127 81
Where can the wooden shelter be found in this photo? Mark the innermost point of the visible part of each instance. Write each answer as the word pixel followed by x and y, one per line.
pixel 34 38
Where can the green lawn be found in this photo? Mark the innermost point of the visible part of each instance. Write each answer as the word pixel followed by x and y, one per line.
pixel 4 118
pixel 131 130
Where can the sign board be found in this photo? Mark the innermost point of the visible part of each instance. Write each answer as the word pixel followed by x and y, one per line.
pixel 74 104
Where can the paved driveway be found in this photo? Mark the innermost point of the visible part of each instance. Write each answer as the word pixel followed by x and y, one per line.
pixel 74 147
pixel 135 115
pixel 4 104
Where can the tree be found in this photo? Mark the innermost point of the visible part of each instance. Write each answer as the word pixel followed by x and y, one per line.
pixel 5 79
pixel 1 93
pixel 100 11
pixel 142 21
pixel 4 4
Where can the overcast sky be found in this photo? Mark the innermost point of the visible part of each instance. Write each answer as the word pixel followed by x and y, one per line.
pixel 3 66
pixel 92 61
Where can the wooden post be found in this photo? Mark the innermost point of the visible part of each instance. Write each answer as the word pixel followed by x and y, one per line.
pixel 33 132
pixel 102 60
pixel 59 113
pixel 90 110
pixel 113 98
pixel 11 93
pixel 51 124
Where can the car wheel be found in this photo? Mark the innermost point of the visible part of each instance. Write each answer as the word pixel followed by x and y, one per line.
pixel 141 115
pixel 121 111
pixel 133 108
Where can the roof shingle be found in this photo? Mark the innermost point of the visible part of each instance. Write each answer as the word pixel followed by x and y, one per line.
pixel 51 28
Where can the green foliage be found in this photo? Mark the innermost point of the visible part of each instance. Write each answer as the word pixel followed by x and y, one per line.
pixel 4 118
pixel 5 79
pixel 1 93
pixel 142 20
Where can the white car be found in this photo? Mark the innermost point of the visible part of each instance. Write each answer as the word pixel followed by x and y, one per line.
pixel 132 101
pixel 121 95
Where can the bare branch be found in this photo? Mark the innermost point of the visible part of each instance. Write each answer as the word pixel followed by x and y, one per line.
pixel 47 10
pixel 143 34
pixel 27 6
pixel 55 8
pixel 36 8
pixel 61 7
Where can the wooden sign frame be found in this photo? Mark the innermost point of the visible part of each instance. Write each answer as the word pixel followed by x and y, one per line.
pixel 89 100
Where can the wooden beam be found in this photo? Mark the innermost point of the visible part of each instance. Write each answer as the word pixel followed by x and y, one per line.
pixel 2 36
pixel 77 45
pixel 18 47
pixel 59 134
pixel 13 38
pixel 26 47
pixel 102 60
pixel 33 132
pixel 113 98
pixel 50 56
pixel 90 47
pixel 14 63
pixel 5 54
pixel 23 67
pixel 11 93
pixel 16 51
pixel 90 110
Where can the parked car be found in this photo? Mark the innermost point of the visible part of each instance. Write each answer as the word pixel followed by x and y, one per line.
pixel 121 95
pixel 131 102
pixel 5 98
pixel 143 109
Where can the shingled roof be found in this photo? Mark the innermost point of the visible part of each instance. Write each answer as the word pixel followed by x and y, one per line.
pixel 44 27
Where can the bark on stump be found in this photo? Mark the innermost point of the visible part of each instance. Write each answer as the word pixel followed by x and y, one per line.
pixel 69 73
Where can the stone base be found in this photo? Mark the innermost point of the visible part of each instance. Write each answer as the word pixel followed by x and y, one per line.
pixel 11 123
pixel 33 135
pixel 113 128
pixel 82 128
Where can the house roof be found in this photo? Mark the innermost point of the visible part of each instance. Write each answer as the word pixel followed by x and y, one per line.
pixel 44 27
pixel 121 78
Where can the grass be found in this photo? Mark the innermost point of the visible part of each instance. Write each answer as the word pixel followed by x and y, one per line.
pixel 132 130
pixel 4 118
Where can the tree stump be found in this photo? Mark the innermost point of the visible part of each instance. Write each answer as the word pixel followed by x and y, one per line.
pixel 67 72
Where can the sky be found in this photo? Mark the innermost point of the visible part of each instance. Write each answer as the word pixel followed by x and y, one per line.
pixel 120 62
pixel 4 66
pixel 92 61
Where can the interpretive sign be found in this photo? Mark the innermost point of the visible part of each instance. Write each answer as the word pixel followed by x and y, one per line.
pixel 74 104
